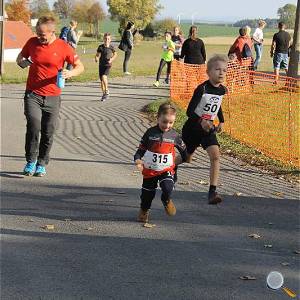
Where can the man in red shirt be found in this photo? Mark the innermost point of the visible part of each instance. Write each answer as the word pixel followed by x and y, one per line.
pixel 46 55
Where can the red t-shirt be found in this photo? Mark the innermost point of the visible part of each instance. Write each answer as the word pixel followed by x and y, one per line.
pixel 47 61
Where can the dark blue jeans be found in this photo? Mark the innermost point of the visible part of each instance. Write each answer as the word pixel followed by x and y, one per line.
pixel 42 115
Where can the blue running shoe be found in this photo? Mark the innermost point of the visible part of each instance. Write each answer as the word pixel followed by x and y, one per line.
pixel 40 171
pixel 29 168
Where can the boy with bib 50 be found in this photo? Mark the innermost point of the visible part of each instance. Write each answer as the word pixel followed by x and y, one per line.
pixel 156 159
pixel 199 129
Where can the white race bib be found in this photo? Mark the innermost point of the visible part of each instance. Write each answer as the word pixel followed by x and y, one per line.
pixel 157 161
pixel 209 106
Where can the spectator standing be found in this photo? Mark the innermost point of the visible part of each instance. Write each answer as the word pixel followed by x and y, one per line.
pixel 280 50
pixel 73 37
pixel 126 45
pixel 258 39
pixel 178 39
pixel 193 48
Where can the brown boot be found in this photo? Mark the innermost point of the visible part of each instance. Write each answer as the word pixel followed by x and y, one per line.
pixel 170 208
pixel 214 198
pixel 143 216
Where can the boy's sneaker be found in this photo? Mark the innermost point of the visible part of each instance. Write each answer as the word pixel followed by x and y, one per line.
pixel 167 81
pixel 156 83
pixel 214 198
pixel 143 216
pixel 170 208
pixel 127 73
pixel 104 97
pixel 29 168
pixel 40 171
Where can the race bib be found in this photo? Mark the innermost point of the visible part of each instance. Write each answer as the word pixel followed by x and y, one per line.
pixel 157 161
pixel 209 106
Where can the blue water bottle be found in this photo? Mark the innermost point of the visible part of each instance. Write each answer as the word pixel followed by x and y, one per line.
pixel 60 82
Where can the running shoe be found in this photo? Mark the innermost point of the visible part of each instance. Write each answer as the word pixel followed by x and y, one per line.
pixel 29 168
pixel 156 83
pixel 143 216
pixel 167 81
pixel 40 171
pixel 214 198
pixel 104 97
pixel 170 208
pixel 127 73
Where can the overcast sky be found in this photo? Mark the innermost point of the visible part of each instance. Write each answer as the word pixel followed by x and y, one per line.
pixel 219 10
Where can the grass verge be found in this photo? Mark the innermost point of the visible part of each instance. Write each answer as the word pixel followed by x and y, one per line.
pixel 235 148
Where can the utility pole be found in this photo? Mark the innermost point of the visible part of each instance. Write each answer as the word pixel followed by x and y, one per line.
pixel 2 18
pixel 294 68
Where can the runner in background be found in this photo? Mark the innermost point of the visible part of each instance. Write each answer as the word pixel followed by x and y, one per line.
pixel 107 54
pixel 166 58
pixel 178 40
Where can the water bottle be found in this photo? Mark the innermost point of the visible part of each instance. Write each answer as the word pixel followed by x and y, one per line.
pixel 60 80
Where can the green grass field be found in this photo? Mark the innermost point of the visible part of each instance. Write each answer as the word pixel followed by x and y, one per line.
pixel 144 61
pixel 205 30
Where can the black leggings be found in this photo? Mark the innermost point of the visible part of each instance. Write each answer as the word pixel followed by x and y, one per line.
pixel 166 182
pixel 161 66
pixel 126 60
pixel 42 116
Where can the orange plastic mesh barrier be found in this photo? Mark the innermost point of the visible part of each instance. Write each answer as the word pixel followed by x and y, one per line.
pixel 258 111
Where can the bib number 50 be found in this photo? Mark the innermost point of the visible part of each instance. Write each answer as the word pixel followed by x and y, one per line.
pixel 212 108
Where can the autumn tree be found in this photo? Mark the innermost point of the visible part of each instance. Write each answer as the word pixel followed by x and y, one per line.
pixel 141 12
pixel 95 16
pixel 287 14
pixel 39 8
pixel 63 8
pixel 161 26
pixel 80 10
pixel 17 11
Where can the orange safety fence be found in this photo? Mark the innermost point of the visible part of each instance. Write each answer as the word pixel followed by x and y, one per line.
pixel 258 111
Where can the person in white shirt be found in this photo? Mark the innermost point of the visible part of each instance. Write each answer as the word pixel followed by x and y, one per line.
pixel 258 39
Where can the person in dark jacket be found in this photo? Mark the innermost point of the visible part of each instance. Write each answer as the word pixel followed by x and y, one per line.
pixel 126 45
pixel 193 49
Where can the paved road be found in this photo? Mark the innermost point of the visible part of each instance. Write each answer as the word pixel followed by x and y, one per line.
pixel 91 196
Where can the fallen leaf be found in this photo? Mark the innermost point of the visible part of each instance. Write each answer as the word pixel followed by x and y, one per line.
pixel 237 194
pixel 148 225
pixel 203 182
pixel 297 251
pixel 247 277
pixel 90 228
pixel 31 220
pixel 268 246
pixel 78 137
pixel 183 183
pixel 48 227
pixel 285 264
pixel 254 236
pixel 279 194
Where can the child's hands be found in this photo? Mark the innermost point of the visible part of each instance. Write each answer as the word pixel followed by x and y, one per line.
pixel 139 164
pixel 96 59
pixel 206 125
pixel 220 127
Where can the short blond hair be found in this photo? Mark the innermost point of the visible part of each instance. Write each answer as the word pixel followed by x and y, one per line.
pixel 165 109
pixel 216 58
pixel 262 23
pixel 73 22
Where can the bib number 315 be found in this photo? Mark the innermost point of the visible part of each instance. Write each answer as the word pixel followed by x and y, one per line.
pixel 160 158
